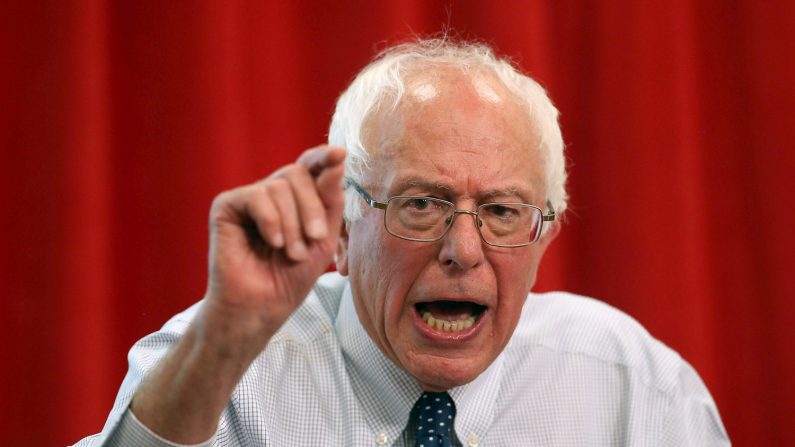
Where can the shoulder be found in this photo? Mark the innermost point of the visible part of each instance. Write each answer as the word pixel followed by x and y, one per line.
pixel 313 318
pixel 580 359
pixel 573 325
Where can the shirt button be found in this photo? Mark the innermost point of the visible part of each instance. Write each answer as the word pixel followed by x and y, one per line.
pixel 473 441
pixel 381 439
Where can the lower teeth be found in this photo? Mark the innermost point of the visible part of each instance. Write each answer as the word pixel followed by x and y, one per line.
pixel 447 326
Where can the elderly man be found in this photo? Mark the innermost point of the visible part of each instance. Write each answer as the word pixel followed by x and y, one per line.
pixel 452 190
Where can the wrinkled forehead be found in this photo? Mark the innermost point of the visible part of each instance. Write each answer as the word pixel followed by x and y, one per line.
pixel 429 87
pixel 441 107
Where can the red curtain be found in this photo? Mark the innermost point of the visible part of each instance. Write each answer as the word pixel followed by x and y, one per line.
pixel 121 121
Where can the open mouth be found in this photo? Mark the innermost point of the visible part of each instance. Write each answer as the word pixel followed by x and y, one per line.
pixel 450 316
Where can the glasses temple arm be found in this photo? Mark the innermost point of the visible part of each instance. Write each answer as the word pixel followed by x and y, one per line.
pixel 350 183
pixel 551 216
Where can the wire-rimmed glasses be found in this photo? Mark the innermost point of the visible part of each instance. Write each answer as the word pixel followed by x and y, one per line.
pixel 428 219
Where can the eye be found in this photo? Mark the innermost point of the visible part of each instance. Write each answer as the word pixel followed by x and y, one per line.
pixel 418 203
pixel 421 206
pixel 502 211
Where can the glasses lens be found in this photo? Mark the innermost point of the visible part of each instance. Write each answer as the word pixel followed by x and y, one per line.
pixel 509 223
pixel 417 218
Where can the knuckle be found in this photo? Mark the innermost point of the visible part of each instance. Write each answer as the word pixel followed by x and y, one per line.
pixel 314 210
pixel 310 199
pixel 294 169
pixel 269 219
pixel 278 185
pixel 301 173
pixel 219 202
pixel 259 191
pixel 290 171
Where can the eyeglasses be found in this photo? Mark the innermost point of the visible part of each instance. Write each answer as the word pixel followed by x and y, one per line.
pixel 428 219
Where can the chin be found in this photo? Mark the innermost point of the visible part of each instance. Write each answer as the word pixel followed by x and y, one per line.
pixel 444 374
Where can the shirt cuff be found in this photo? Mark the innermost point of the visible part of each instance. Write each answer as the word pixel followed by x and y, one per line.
pixel 131 432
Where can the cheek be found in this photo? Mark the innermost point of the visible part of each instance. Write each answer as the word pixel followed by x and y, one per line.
pixel 516 273
pixel 381 268
pixel 364 253
pixel 402 262
pixel 529 265
pixel 515 277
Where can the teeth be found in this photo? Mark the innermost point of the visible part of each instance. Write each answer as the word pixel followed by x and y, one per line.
pixel 448 326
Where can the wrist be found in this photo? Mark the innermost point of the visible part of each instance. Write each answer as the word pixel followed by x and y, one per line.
pixel 223 332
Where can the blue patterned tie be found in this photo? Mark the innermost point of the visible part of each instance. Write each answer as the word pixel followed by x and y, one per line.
pixel 435 421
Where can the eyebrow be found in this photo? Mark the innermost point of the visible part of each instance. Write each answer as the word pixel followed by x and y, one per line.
pixel 413 182
pixel 511 191
pixel 402 185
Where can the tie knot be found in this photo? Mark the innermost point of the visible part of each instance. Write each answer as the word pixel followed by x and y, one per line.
pixel 436 413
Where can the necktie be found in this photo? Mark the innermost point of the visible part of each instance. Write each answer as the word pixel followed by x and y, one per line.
pixel 435 421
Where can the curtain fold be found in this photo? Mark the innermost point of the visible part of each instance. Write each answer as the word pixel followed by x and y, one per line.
pixel 122 120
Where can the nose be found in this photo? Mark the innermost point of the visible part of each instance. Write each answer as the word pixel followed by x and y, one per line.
pixel 462 246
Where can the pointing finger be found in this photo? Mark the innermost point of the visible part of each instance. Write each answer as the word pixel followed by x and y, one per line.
pixel 320 158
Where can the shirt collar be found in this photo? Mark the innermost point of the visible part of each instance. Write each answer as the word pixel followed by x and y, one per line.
pixel 385 392
pixel 475 401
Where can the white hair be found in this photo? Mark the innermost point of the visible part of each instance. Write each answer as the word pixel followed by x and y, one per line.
pixel 383 81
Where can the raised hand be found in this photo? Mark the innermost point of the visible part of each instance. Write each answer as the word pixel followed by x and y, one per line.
pixel 269 241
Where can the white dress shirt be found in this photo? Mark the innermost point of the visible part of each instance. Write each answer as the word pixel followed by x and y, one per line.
pixel 576 372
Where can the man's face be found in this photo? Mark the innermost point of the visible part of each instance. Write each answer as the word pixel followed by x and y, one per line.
pixel 469 143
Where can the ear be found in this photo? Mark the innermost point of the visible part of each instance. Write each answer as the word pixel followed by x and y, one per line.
pixel 552 232
pixel 539 248
pixel 341 255
pixel 549 235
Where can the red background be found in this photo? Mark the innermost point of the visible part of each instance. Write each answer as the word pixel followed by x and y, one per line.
pixel 121 121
